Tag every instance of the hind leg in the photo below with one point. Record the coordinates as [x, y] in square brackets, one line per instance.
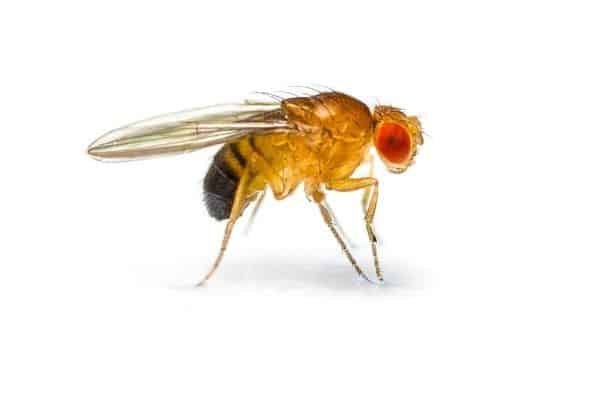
[257, 166]
[239, 203]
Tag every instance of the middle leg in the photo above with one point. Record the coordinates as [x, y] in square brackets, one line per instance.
[258, 202]
[329, 221]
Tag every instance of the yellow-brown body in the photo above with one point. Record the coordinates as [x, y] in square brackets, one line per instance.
[317, 141]
[332, 136]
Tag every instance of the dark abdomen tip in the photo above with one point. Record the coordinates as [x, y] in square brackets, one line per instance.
[220, 184]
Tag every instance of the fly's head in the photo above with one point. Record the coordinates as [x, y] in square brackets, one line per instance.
[396, 137]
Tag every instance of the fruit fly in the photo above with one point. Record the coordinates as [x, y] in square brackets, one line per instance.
[317, 141]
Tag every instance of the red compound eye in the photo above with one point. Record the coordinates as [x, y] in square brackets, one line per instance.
[393, 142]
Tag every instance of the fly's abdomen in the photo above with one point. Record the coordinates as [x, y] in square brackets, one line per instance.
[221, 181]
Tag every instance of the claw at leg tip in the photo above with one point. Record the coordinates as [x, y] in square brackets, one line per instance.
[202, 283]
[366, 278]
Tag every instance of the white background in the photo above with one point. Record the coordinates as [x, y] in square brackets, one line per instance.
[489, 243]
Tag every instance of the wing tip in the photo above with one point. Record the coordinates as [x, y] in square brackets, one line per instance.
[97, 152]
[92, 150]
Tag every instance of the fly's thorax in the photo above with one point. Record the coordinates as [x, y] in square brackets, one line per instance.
[335, 131]
[335, 113]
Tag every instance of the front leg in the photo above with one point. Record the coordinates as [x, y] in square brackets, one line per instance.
[352, 184]
[367, 191]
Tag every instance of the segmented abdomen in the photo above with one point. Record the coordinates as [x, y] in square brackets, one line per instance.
[221, 181]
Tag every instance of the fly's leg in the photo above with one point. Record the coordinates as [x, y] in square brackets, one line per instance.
[351, 184]
[367, 191]
[366, 196]
[257, 165]
[261, 167]
[239, 202]
[336, 222]
[319, 197]
[257, 205]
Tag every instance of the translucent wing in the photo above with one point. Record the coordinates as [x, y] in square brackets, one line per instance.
[188, 130]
